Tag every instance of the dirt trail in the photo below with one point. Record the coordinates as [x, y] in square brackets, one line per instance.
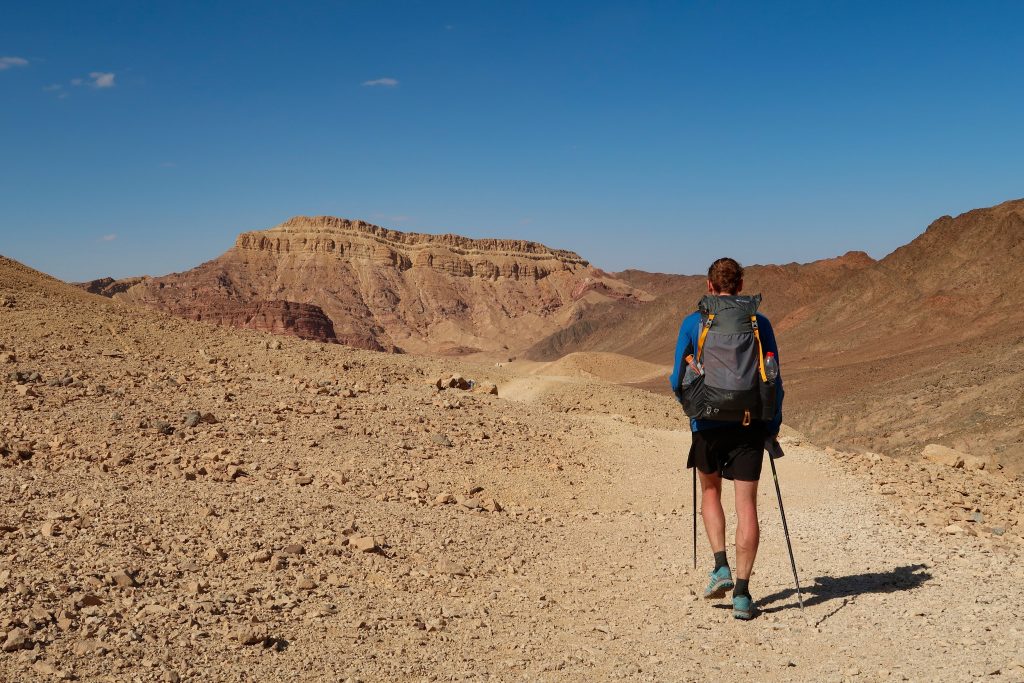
[884, 600]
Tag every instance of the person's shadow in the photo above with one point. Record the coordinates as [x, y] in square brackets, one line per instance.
[827, 588]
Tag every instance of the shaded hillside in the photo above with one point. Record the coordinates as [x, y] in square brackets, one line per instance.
[648, 330]
[924, 346]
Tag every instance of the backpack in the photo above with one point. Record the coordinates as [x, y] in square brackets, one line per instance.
[726, 380]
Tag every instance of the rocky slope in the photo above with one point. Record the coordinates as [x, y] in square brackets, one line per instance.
[924, 346]
[183, 502]
[920, 347]
[648, 329]
[385, 289]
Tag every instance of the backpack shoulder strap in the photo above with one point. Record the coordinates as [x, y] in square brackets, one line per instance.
[704, 335]
[760, 350]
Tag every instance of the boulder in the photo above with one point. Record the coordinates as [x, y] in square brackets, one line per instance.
[943, 455]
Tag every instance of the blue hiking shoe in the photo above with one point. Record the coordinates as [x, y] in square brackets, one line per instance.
[742, 607]
[721, 582]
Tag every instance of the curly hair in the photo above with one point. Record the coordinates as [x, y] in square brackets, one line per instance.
[725, 275]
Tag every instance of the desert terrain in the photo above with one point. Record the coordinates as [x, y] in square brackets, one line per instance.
[188, 502]
[888, 356]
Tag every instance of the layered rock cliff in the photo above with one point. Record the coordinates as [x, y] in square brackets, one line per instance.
[387, 290]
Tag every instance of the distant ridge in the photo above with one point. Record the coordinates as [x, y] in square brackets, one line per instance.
[384, 289]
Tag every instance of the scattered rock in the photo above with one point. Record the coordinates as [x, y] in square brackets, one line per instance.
[450, 567]
[261, 556]
[366, 544]
[252, 634]
[88, 646]
[163, 427]
[16, 639]
[215, 555]
[486, 388]
[943, 455]
[123, 579]
[441, 440]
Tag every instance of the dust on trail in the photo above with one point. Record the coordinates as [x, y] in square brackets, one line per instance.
[884, 600]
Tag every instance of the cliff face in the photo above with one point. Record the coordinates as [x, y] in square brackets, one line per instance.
[279, 317]
[387, 290]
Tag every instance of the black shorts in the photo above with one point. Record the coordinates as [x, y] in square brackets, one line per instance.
[734, 452]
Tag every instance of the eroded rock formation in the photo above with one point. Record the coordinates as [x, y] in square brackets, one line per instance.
[387, 290]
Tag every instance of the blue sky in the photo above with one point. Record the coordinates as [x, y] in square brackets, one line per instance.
[142, 137]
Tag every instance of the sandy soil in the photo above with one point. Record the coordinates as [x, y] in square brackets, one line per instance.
[331, 514]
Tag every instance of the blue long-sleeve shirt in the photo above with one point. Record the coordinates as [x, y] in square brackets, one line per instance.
[689, 332]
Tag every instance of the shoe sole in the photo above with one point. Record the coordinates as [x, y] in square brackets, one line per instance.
[719, 590]
[743, 614]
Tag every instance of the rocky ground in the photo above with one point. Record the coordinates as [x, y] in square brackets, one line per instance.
[183, 502]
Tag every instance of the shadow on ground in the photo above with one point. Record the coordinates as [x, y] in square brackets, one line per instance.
[827, 588]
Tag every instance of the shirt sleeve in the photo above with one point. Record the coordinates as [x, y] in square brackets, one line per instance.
[684, 347]
[769, 343]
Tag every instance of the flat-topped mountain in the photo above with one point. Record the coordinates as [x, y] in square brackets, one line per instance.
[367, 286]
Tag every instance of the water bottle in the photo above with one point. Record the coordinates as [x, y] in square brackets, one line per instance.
[771, 367]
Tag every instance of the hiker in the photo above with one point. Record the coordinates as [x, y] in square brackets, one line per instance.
[720, 377]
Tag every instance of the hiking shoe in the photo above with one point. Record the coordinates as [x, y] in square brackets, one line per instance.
[742, 607]
[721, 581]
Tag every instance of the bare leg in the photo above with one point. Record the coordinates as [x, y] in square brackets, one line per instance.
[711, 509]
[748, 532]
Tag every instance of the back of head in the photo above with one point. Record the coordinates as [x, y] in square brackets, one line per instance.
[725, 276]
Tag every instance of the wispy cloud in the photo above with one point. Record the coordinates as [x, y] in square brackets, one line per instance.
[109, 238]
[97, 79]
[168, 164]
[382, 82]
[101, 79]
[11, 62]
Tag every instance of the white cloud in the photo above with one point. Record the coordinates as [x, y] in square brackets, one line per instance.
[109, 238]
[8, 62]
[383, 82]
[53, 87]
[101, 79]
[97, 79]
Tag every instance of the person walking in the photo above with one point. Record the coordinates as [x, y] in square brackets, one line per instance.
[735, 405]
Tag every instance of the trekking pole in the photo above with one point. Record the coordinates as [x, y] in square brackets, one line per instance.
[785, 529]
[694, 516]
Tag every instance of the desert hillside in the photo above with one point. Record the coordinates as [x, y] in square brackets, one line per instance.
[331, 279]
[919, 347]
[186, 502]
[648, 329]
[924, 346]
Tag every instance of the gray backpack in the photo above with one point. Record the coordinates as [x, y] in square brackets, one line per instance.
[726, 379]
